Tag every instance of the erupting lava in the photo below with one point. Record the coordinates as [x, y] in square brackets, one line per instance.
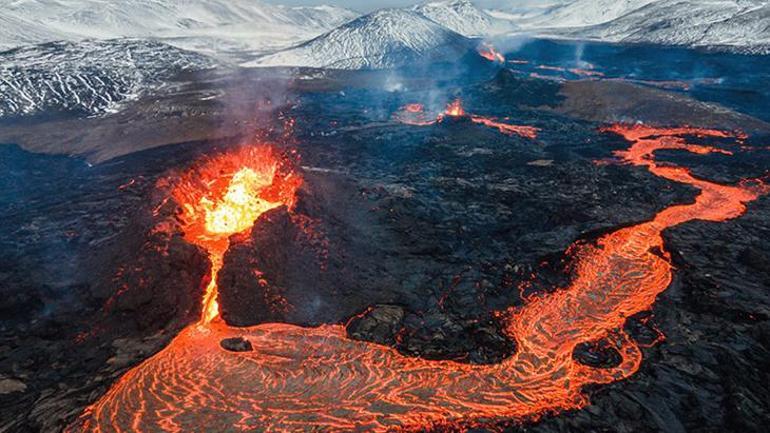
[224, 195]
[414, 114]
[316, 379]
[489, 52]
[454, 109]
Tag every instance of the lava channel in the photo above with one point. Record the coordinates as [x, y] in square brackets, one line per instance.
[317, 379]
[414, 114]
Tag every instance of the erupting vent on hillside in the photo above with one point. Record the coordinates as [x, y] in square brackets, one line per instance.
[414, 114]
[224, 195]
[489, 52]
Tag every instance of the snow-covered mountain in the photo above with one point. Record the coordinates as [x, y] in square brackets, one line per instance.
[207, 25]
[743, 25]
[386, 38]
[580, 13]
[87, 78]
[463, 17]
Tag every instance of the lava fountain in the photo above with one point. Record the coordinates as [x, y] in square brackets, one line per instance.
[489, 52]
[224, 195]
[317, 379]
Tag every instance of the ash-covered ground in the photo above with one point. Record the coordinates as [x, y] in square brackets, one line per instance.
[413, 236]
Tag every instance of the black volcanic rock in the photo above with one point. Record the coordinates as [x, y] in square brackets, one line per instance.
[164, 286]
[379, 324]
[321, 263]
[236, 344]
[436, 335]
[516, 90]
[599, 354]
[641, 329]
[251, 286]
[755, 258]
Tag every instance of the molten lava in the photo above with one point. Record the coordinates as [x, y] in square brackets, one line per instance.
[505, 128]
[456, 110]
[316, 379]
[489, 52]
[414, 108]
[224, 195]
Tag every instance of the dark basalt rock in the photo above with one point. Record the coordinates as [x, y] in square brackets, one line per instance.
[321, 263]
[165, 282]
[236, 344]
[599, 354]
[755, 258]
[379, 324]
[246, 296]
[438, 336]
[641, 329]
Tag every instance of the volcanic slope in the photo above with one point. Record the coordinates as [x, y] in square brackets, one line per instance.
[89, 77]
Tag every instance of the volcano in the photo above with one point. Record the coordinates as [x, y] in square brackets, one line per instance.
[574, 239]
[617, 277]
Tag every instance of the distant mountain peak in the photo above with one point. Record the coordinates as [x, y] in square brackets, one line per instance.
[463, 17]
[382, 39]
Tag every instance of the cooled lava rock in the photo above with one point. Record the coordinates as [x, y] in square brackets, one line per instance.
[236, 344]
[436, 335]
[379, 324]
[598, 354]
[641, 329]
[323, 262]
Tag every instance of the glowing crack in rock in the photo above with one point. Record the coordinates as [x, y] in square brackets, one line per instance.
[317, 379]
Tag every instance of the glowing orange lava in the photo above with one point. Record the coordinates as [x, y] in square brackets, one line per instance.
[224, 195]
[506, 128]
[455, 109]
[316, 379]
[489, 52]
[414, 108]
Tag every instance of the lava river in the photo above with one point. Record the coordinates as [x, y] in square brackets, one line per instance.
[317, 379]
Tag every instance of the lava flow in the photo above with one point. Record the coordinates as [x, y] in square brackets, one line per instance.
[414, 114]
[489, 52]
[224, 195]
[317, 379]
